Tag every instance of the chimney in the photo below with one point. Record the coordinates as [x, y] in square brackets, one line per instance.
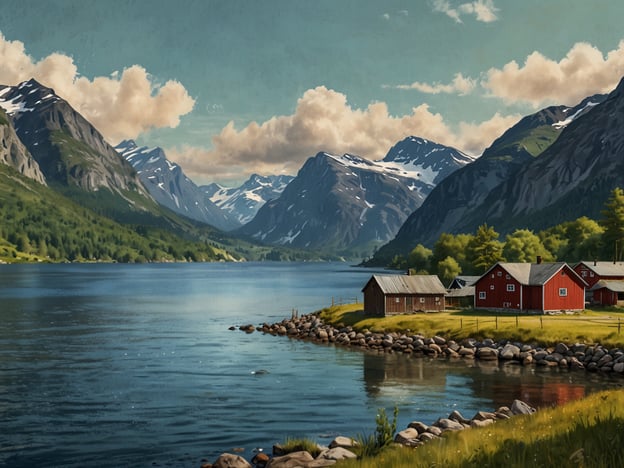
[539, 259]
[595, 261]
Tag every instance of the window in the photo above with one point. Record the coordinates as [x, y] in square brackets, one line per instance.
[481, 294]
[584, 273]
[437, 299]
[422, 300]
[491, 287]
[563, 292]
[492, 275]
[507, 277]
[511, 287]
[591, 274]
[499, 273]
[397, 300]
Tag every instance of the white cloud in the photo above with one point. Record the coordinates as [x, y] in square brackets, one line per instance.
[582, 72]
[483, 10]
[122, 105]
[324, 121]
[460, 85]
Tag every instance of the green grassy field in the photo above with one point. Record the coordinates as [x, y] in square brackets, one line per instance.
[591, 326]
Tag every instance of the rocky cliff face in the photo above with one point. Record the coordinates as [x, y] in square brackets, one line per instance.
[68, 149]
[342, 204]
[170, 187]
[456, 203]
[13, 153]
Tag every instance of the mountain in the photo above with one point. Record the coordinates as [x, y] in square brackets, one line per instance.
[457, 204]
[69, 150]
[349, 205]
[13, 153]
[170, 187]
[244, 202]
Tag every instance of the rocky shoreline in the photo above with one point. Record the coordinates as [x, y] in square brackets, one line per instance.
[578, 356]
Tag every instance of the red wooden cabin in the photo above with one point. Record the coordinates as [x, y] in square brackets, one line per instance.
[530, 287]
[605, 280]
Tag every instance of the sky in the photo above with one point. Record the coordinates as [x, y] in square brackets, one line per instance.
[229, 88]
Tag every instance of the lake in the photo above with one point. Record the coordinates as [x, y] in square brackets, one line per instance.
[134, 365]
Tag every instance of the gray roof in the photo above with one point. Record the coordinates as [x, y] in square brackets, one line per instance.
[532, 274]
[463, 281]
[611, 285]
[466, 291]
[412, 284]
[605, 268]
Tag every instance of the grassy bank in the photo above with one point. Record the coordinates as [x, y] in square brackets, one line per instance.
[584, 433]
[598, 326]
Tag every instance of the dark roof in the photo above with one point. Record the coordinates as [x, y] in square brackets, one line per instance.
[463, 281]
[412, 284]
[466, 291]
[534, 274]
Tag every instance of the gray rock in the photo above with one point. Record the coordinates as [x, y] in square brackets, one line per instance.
[520, 407]
[344, 442]
[419, 426]
[434, 430]
[481, 422]
[448, 425]
[483, 415]
[229, 460]
[487, 354]
[408, 437]
[457, 416]
[427, 436]
[561, 348]
[337, 453]
[618, 367]
[510, 351]
[291, 460]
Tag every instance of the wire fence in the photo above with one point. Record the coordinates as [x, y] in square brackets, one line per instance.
[529, 320]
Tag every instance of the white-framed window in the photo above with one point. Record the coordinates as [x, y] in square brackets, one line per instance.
[422, 300]
[563, 292]
[511, 287]
[499, 273]
[492, 275]
[491, 287]
[591, 274]
[481, 294]
[397, 299]
[507, 277]
[437, 298]
[584, 273]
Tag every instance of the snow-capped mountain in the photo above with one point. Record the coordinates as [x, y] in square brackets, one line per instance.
[244, 202]
[13, 152]
[170, 187]
[68, 149]
[349, 205]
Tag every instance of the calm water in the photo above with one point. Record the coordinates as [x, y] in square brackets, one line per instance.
[134, 365]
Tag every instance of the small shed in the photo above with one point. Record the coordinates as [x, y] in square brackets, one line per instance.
[402, 294]
[461, 291]
[608, 292]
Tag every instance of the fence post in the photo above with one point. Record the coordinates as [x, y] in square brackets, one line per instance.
[461, 323]
[541, 322]
[496, 322]
[477, 323]
[619, 325]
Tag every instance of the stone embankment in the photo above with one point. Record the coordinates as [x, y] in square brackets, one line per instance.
[592, 358]
[416, 434]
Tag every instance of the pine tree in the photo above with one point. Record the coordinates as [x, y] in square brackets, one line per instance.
[613, 224]
[484, 249]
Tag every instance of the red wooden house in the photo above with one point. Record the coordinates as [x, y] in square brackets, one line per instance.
[605, 281]
[403, 294]
[530, 287]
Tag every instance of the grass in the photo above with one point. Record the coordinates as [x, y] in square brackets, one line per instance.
[298, 445]
[591, 326]
[584, 433]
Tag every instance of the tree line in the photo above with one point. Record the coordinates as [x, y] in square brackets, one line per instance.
[473, 254]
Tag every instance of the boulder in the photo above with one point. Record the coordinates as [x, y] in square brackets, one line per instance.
[291, 460]
[407, 437]
[520, 407]
[260, 459]
[448, 425]
[483, 415]
[229, 460]
[561, 348]
[510, 351]
[427, 436]
[481, 422]
[458, 417]
[419, 426]
[341, 441]
[436, 431]
[337, 453]
[487, 354]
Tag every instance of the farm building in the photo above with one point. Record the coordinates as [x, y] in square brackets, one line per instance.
[403, 294]
[605, 281]
[530, 287]
[460, 292]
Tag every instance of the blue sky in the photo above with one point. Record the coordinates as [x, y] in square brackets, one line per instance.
[233, 87]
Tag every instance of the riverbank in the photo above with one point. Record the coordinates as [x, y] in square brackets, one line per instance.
[573, 356]
[578, 431]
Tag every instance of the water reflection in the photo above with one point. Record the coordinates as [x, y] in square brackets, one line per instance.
[404, 378]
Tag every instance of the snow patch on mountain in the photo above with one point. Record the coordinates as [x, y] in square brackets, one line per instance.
[564, 123]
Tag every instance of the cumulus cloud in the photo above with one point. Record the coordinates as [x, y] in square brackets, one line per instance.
[324, 121]
[122, 105]
[482, 10]
[460, 84]
[582, 72]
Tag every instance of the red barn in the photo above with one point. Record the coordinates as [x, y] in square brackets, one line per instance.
[530, 287]
[403, 294]
[605, 280]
